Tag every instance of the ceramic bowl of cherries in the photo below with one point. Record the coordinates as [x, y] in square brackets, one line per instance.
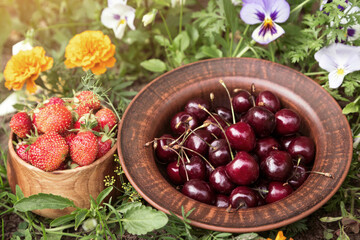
[245, 156]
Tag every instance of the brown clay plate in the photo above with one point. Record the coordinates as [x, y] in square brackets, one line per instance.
[149, 114]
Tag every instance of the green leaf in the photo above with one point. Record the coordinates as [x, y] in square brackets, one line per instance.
[62, 220]
[211, 51]
[182, 41]
[19, 193]
[104, 193]
[154, 65]
[350, 108]
[246, 236]
[328, 234]
[43, 201]
[127, 206]
[330, 219]
[231, 15]
[140, 220]
[80, 217]
[162, 41]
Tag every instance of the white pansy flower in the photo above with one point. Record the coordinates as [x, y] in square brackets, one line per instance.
[338, 59]
[117, 16]
[21, 46]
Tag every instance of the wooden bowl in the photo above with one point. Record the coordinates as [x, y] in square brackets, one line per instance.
[75, 184]
[148, 116]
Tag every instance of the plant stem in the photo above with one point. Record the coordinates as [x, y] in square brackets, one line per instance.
[60, 25]
[240, 41]
[315, 73]
[181, 16]
[166, 27]
[299, 6]
[245, 49]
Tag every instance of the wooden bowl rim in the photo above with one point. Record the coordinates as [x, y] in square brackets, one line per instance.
[66, 171]
[196, 223]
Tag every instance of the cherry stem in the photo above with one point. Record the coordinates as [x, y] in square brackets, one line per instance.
[231, 106]
[209, 145]
[198, 155]
[212, 97]
[322, 173]
[229, 209]
[221, 128]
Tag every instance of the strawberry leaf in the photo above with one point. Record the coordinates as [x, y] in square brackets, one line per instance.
[142, 219]
[42, 201]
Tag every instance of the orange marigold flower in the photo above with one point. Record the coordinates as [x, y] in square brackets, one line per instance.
[90, 50]
[25, 67]
[280, 236]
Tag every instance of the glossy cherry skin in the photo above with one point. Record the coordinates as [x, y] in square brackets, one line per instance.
[220, 181]
[277, 166]
[277, 191]
[298, 176]
[199, 190]
[304, 148]
[192, 107]
[287, 122]
[198, 142]
[222, 201]
[219, 153]
[173, 173]
[242, 102]
[286, 140]
[214, 123]
[261, 120]
[241, 136]
[265, 145]
[243, 170]
[243, 197]
[268, 100]
[163, 151]
[182, 121]
[224, 113]
[195, 169]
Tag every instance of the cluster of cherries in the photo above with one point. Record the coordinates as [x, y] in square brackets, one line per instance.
[244, 156]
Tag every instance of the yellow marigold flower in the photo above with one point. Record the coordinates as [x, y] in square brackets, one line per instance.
[25, 67]
[90, 50]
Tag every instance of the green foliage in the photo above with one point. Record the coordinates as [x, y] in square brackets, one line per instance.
[178, 36]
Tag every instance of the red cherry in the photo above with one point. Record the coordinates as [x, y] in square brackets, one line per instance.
[241, 136]
[278, 191]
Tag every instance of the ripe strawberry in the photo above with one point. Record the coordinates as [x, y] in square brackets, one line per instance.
[54, 118]
[89, 99]
[22, 150]
[21, 124]
[104, 146]
[48, 151]
[84, 148]
[106, 117]
[54, 100]
[69, 137]
[81, 110]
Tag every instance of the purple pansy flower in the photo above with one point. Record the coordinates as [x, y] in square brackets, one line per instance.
[268, 13]
[352, 32]
[338, 59]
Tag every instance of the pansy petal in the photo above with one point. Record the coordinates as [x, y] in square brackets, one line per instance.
[109, 17]
[353, 32]
[326, 61]
[264, 36]
[335, 79]
[279, 10]
[112, 3]
[119, 31]
[252, 13]
[352, 64]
